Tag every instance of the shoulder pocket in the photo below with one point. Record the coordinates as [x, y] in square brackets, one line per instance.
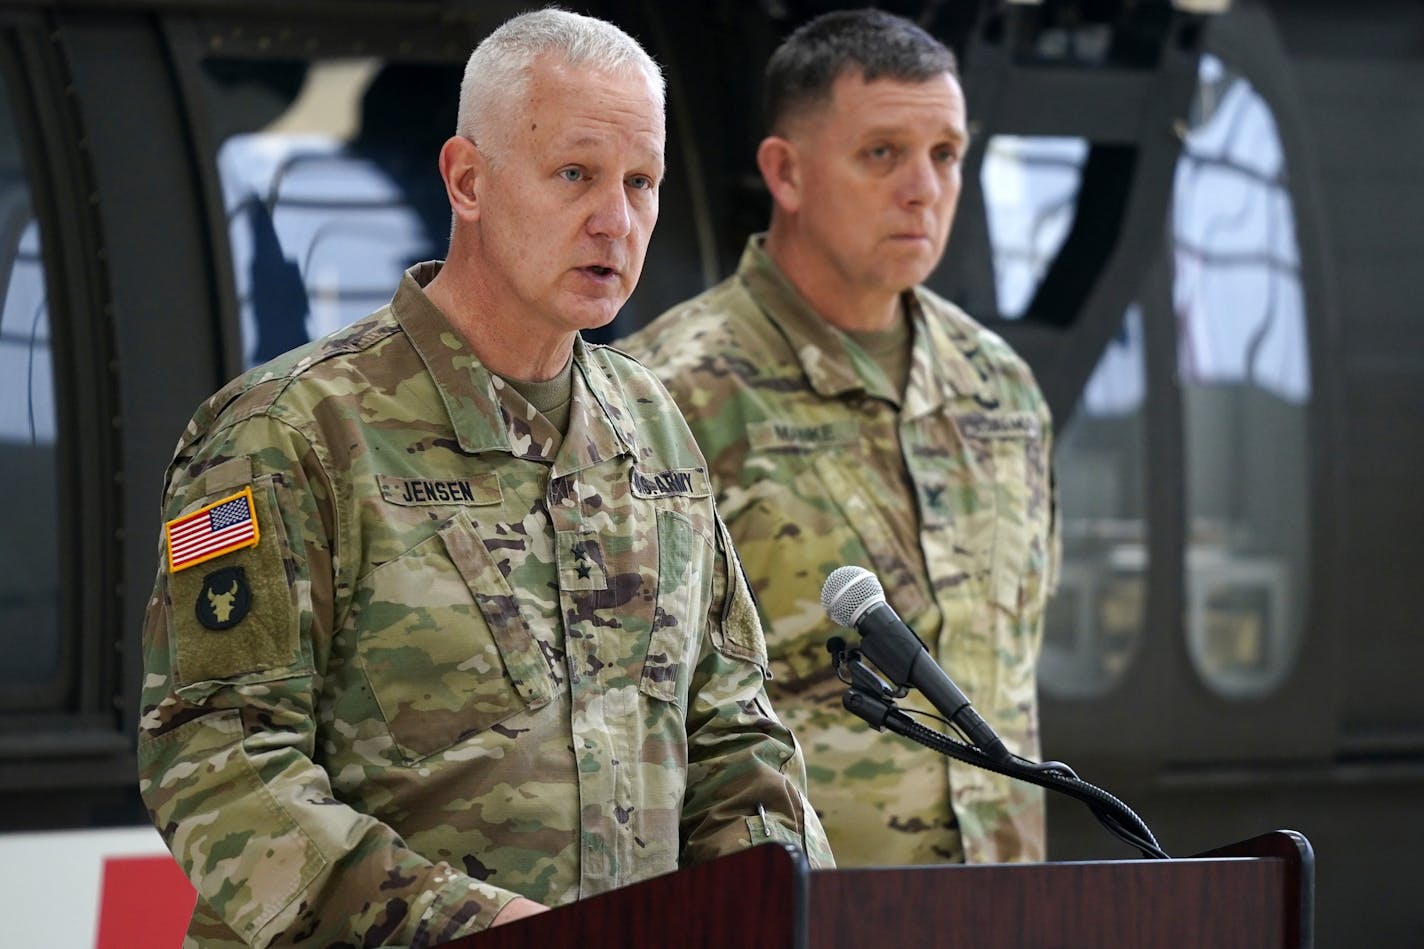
[742, 635]
[233, 615]
[245, 854]
[765, 830]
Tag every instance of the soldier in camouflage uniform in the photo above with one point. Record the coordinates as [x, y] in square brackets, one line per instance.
[852, 417]
[430, 644]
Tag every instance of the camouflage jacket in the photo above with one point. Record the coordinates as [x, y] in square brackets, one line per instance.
[945, 494]
[456, 657]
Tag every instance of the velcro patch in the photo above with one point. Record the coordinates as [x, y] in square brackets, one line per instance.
[224, 599]
[482, 489]
[253, 606]
[999, 425]
[219, 528]
[764, 436]
[671, 482]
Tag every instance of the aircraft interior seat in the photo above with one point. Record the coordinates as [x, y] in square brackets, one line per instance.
[320, 236]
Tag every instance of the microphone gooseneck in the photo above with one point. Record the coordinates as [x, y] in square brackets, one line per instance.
[853, 597]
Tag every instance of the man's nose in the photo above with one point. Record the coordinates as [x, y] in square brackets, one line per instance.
[611, 214]
[921, 182]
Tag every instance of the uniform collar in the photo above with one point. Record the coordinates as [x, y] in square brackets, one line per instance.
[600, 420]
[940, 368]
[820, 348]
[493, 417]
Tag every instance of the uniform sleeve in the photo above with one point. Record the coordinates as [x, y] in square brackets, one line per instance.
[1054, 570]
[746, 781]
[235, 646]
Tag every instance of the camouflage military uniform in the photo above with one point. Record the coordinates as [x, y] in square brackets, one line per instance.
[468, 656]
[945, 494]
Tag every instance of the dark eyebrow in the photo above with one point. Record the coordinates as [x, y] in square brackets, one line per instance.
[889, 131]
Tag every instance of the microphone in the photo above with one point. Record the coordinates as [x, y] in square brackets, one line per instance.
[853, 597]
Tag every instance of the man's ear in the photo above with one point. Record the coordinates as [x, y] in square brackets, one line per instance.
[461, 165]
[781, 170]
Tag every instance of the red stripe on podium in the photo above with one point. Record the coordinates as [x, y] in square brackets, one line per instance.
[143, 901]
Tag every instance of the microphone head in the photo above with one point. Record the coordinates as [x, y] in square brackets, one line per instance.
[848, 593]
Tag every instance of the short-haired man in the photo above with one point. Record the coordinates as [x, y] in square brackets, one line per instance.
[850, 416]
[447, 628]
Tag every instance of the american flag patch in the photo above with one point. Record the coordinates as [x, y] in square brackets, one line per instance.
[221, 527]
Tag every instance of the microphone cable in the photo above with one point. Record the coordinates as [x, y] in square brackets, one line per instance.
[1119, 819]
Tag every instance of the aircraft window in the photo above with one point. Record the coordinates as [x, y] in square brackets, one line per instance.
[29, 548]
[1243, 373]
[1030, 189]
[1243, 367]
[1095, 620]
[330, 187]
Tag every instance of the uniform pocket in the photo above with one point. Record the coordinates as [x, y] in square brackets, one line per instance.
[822, 509]
[1002, 506]
[235, 616]
[683, 578]
[1012, 536]
[763, 830]
[245, 854]
[443, 645]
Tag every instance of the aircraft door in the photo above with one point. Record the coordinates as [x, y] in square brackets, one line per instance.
[1147, 251]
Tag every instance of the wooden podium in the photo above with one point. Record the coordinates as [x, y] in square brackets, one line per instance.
[1255, 894]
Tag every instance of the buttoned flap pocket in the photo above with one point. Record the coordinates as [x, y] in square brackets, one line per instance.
[863, 499]
[443, 644]
[684, 578]
[809, 512]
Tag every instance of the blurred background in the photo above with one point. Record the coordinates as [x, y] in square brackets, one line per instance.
[1197, 219]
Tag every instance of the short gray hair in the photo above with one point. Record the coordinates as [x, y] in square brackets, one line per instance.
[497, 72]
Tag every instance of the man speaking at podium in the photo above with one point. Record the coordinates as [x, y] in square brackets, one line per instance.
[852, 417]
[447, 629]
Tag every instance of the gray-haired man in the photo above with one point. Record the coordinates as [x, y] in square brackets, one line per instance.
[447, 628]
